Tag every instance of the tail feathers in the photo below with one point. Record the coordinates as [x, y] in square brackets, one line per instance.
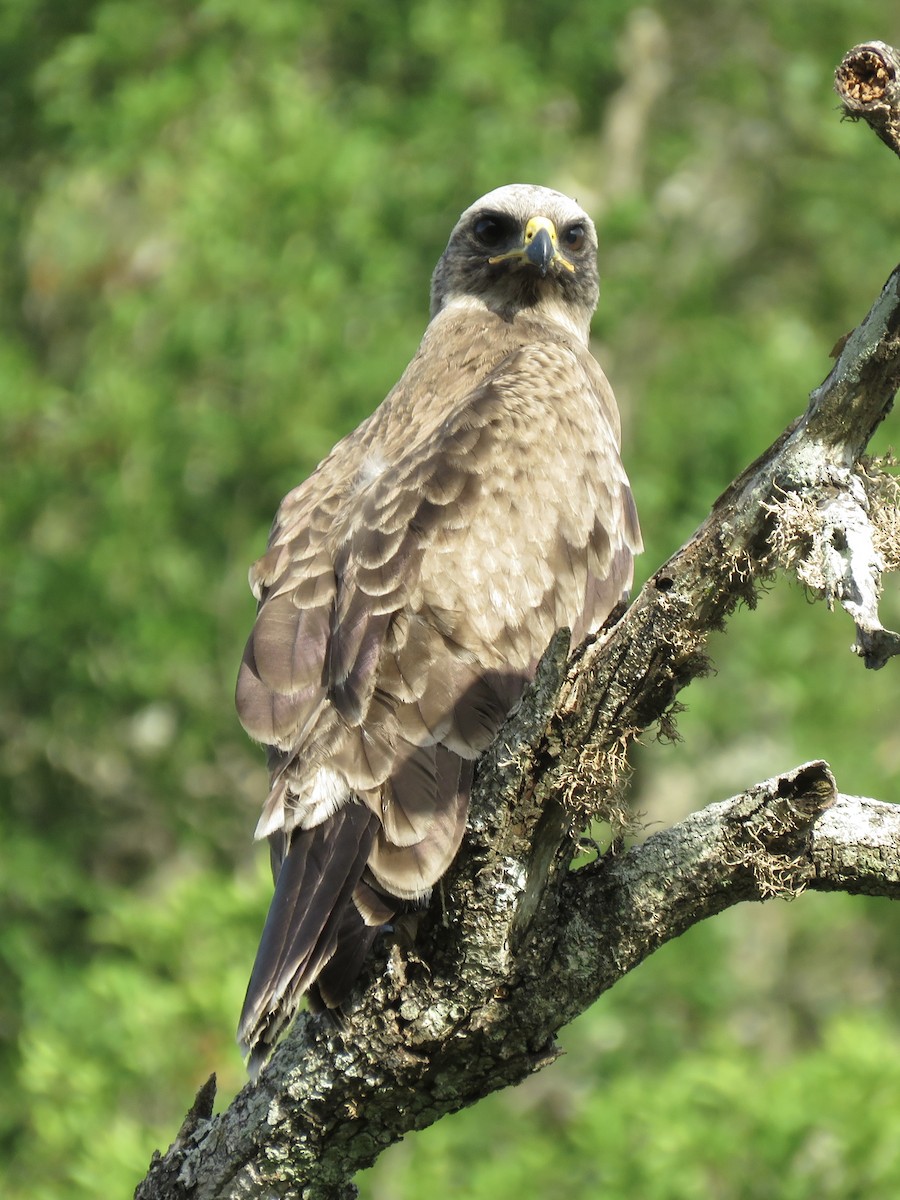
[371, 912]
[337, 977]
[311, 913]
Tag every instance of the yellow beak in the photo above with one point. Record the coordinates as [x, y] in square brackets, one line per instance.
[540, 247]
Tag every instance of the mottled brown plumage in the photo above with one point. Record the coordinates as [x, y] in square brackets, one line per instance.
[412, 583]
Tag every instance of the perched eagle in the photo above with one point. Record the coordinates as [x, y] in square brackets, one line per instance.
[412, 583]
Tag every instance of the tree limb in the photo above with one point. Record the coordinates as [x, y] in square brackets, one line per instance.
[307, 1128]
[868, 83]
[517, 943]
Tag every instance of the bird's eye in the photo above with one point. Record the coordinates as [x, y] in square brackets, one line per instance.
[490, 231]
[573, 237]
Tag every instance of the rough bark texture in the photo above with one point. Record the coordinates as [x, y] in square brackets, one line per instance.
[516, 944]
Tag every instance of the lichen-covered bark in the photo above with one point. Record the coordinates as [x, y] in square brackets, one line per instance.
[515, 944]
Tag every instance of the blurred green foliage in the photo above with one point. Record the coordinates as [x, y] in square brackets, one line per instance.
[217, 226]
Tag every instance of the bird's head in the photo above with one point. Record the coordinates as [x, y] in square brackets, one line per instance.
[521, 247]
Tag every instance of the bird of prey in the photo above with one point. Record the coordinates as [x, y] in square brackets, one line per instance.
[412, 583]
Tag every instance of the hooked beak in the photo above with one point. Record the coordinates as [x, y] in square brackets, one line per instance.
[540, 247]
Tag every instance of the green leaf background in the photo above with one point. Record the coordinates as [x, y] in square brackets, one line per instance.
[217, 227]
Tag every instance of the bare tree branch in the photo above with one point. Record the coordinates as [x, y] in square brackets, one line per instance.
[517, 943]
[312, 1126]
[868, 83]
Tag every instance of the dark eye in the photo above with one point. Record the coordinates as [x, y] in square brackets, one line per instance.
[574, 237]
[490, 231]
